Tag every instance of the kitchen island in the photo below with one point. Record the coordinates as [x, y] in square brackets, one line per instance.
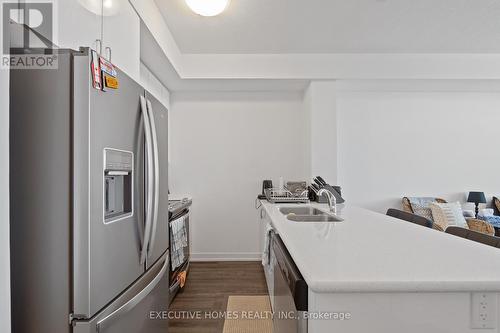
[385, 273]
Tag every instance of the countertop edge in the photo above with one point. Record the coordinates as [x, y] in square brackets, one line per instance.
[381, 286]
[405, 287]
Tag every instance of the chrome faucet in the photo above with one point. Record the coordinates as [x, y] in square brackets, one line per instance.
[332, 201]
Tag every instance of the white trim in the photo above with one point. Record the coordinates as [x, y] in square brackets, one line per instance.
[462, 86]
[226, 256]
[339, 66]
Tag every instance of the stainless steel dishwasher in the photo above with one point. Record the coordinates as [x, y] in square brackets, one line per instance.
[290, 292]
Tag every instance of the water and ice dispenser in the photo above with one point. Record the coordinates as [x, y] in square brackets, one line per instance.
[118, 184]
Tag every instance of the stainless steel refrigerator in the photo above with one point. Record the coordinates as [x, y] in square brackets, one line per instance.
[89, 202]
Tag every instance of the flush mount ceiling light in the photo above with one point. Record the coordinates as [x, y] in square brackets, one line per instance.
[207, 7]
[101, 7]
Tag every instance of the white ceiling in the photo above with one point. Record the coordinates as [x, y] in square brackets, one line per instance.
[155, 60]
[338, 26]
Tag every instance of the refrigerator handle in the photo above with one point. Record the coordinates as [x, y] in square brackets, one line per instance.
[149, 170]
[104, 323]
[156, 175]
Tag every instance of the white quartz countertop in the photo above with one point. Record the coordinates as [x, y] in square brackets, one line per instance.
[371, 252]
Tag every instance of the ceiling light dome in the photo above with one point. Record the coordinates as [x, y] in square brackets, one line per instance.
[207, 7]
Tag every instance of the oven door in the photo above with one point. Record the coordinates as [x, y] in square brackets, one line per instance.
[180, 251]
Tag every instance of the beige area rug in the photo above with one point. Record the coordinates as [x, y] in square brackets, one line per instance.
[248, 314]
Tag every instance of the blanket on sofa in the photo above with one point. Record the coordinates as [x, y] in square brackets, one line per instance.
[493, 220]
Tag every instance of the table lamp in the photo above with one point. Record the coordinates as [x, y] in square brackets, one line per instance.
[476, 198]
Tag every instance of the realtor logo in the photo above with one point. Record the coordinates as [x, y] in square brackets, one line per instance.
[28, 25]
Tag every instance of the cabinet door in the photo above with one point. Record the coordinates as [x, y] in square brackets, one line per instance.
[264, 221]
[79, 23]
[121, 32]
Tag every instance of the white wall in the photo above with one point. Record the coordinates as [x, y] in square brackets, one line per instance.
[4, 204]
[154, 86]
[320, 106]
[223, 146]
[417, 143]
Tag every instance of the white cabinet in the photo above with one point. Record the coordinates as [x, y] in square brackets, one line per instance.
[80, 24]
[121, 33]
[264, 223]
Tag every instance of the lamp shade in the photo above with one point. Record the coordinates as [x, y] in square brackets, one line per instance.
[476, 197]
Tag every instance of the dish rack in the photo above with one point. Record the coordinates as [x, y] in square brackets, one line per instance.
[276, 195]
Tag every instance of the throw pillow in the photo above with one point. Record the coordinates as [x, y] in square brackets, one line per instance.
[448, 214]
[496, 205]
[422, 210]
[486, 212]
[469, 213]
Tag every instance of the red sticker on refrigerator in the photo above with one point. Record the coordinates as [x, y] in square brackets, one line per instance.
[96, 71]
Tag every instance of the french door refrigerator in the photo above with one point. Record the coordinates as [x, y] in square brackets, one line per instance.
[89, 202]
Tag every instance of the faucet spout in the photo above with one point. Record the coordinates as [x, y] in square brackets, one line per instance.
[332, 200]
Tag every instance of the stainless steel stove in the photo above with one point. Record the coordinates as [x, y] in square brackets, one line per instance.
[176, 207]
[178, 211]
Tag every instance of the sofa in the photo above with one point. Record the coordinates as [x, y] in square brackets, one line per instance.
[496, 209]
[473, 223]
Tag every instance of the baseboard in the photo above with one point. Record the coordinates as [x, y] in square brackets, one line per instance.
[224, 256]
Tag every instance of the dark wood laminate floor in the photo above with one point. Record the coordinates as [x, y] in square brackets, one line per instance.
[207, 289]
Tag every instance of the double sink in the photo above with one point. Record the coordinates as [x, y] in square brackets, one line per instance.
[308, 214]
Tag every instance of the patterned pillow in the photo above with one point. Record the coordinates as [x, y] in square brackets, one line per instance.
[448, 214]
[422, 210]
[496, 203]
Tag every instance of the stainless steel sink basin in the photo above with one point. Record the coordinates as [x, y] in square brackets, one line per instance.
[301, 211]
[314, 218]
[308, 214]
